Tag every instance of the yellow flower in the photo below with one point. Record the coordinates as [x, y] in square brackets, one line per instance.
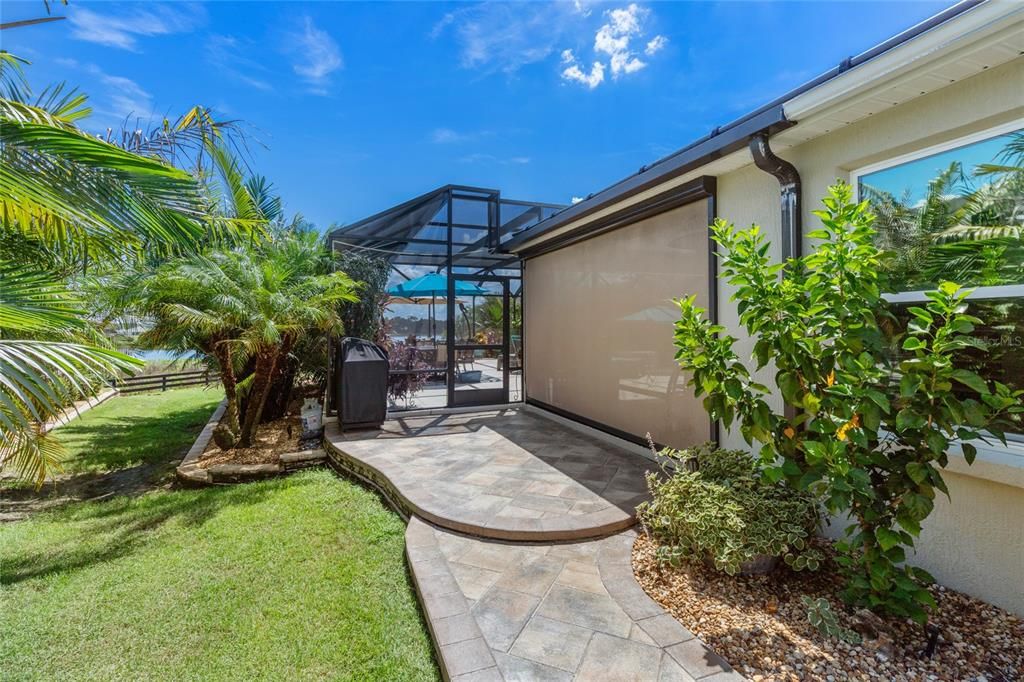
[853, 423]
[831, 379]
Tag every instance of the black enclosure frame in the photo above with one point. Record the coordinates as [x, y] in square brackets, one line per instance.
[486, 396]
[462, 232]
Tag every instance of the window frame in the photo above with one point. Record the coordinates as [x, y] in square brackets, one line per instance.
[1014, 450]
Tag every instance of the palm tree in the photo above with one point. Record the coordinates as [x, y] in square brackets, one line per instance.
[249, 304]
[67, 201]
[66, 190]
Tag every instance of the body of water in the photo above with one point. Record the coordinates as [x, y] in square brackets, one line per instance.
[160, 355]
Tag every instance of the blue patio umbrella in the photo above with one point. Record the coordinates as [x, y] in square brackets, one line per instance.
[431, 286]
[434, 284]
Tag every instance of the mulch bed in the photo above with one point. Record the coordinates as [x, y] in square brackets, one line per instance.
[759, 624]
[273, 439]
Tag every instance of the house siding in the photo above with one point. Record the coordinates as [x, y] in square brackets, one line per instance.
[599, 320]
[973, 542]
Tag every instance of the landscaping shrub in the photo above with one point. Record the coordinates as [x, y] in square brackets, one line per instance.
[866, 429]
[402, 356]
[717, 506]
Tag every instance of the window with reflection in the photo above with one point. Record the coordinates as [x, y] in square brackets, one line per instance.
[956, 214]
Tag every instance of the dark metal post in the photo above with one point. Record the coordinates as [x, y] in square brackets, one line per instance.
[712, 202]
[450, 307]
[789, 188]
[506, 341]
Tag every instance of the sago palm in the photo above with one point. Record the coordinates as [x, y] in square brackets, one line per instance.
[248, 304]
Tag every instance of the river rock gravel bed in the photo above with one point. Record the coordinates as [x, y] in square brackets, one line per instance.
[759, 624]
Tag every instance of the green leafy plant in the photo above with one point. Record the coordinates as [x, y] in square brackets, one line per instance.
[825, 621]
[246, 306]
[717, 506]
[866, 430]
[365, 318]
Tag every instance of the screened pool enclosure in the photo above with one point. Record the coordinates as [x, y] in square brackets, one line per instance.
[454, 317]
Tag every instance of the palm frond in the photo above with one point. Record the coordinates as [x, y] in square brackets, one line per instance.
[30, 302]
[262, 193]
[959, 233]
[63, 187]
[38, 379]
[32, 453]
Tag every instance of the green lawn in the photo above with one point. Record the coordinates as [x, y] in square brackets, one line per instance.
[295, 578]
[141, 428]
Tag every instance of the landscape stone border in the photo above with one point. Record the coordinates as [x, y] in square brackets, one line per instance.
[79, 408]
[190, 472]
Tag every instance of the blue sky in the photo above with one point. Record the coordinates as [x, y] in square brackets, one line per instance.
[353, 107]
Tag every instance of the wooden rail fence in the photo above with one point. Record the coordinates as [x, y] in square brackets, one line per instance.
[162, 382]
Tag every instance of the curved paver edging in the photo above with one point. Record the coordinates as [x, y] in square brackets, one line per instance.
[416, 498]
[190, 472]
[413, 504]
[500, 611]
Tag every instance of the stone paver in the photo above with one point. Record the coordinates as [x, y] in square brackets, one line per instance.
[519, 544]
[506, 474]
[554, 611]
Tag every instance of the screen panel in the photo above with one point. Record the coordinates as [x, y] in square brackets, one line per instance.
[599, 323]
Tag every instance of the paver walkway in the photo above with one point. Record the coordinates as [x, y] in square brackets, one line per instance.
[489, 496]
[507, 474]
[523, 611]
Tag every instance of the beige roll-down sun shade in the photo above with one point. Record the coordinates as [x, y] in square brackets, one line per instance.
[599, 321]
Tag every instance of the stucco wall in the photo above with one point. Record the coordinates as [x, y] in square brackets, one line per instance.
[975, 543]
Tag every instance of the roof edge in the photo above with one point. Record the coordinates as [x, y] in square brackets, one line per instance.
[770, 118]
[708, 148]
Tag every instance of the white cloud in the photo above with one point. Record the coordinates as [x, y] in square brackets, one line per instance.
[655, 45]
[227, 54]
[573, 72]
[613, 38]
[626, 22]
[443, 23]
[446, 135]
[123, 29]
[504, 37]
[120, 102]
[492, 159]
[316, 55]
[581, 7]
[577, 200]
[449, 136]
[614, 41]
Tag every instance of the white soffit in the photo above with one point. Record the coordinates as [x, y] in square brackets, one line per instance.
[984, 37]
